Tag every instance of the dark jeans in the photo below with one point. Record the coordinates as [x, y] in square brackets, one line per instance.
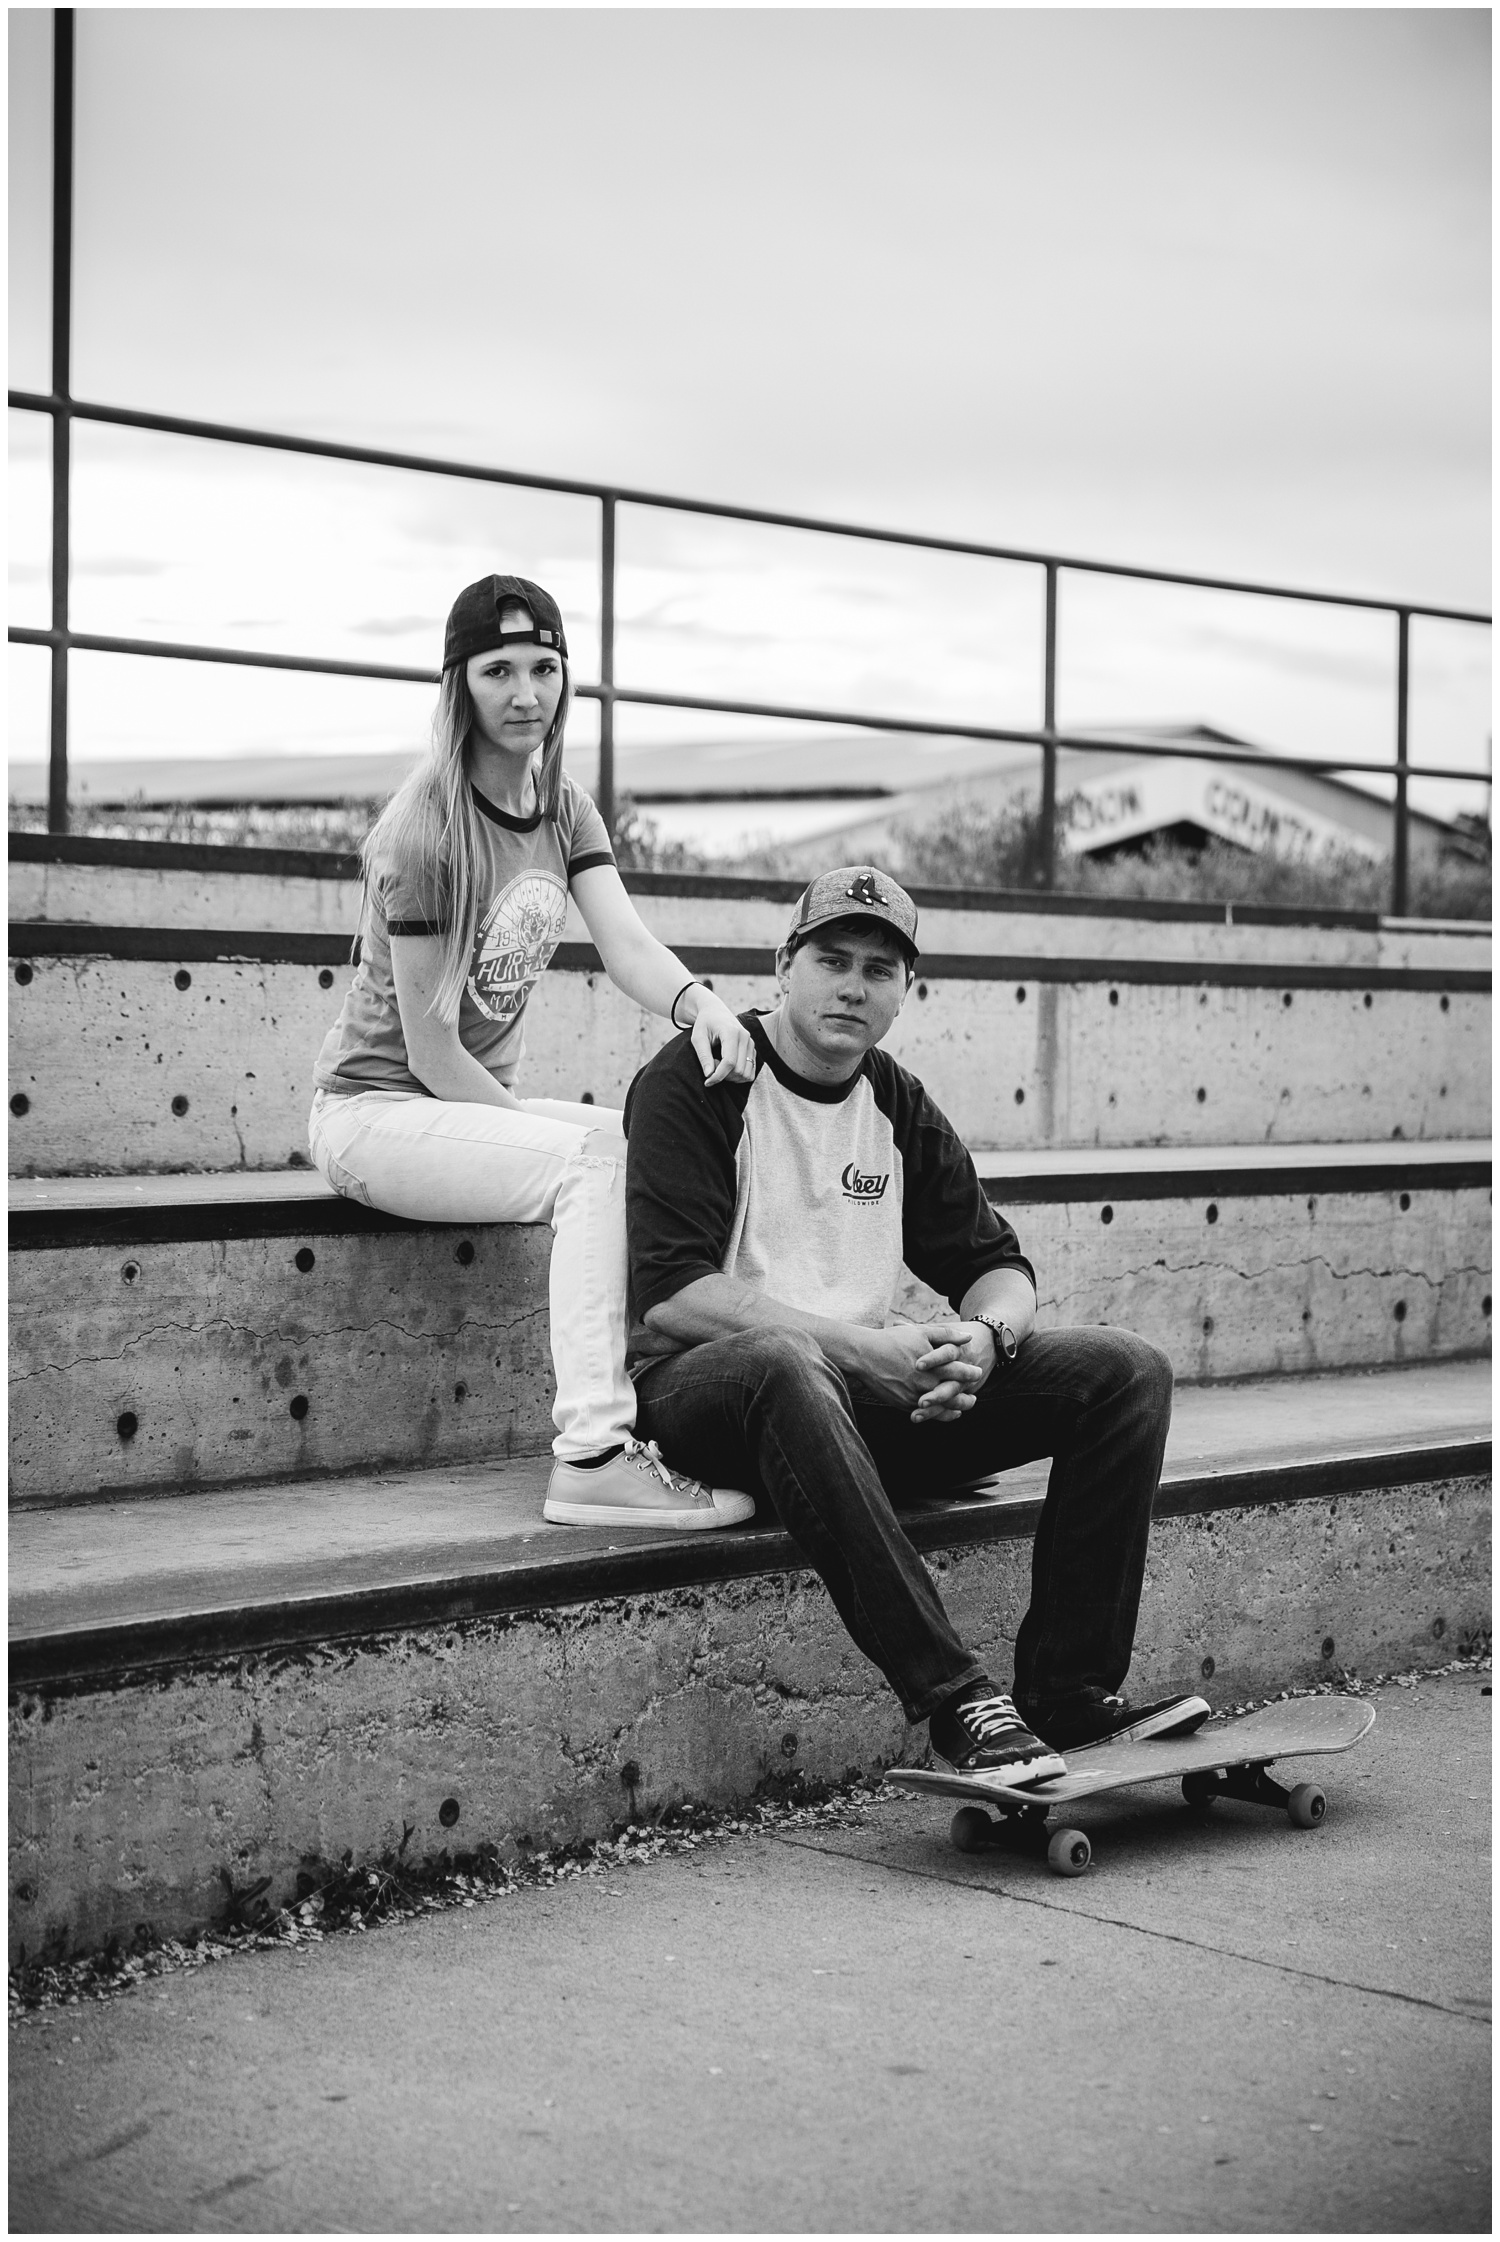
[767, 1412]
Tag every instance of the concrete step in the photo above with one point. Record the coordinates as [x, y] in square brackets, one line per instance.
[227, 1683]
[175, 1332]
[135, 1050]
[181, 884]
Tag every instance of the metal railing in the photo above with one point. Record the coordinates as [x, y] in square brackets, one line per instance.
[63, 409]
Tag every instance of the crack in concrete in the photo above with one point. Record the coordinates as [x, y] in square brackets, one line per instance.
[1285, 1268]
[470, 1328]
[1010, 1894]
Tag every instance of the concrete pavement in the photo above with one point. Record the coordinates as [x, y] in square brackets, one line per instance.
[1226, 2025]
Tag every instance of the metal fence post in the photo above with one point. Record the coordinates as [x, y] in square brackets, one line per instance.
[1046, 875]
[605, 792]
[1401, 837]
[62, 390]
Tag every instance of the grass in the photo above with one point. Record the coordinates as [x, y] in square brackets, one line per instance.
[969, 845]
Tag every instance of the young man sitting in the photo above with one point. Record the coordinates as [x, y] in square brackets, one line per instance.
[768, 1223]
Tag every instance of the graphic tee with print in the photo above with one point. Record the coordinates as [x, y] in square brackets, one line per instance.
[524, 870]
[814, 1194]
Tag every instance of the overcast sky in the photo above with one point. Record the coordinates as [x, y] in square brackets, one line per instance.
[1203, 289]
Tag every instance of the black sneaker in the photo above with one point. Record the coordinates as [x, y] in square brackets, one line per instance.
[1095, 1716]
[981, 1734]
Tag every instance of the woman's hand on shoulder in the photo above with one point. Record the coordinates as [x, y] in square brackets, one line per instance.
[725, 1047]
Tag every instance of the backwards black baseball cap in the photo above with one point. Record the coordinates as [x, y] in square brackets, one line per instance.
[474, 619]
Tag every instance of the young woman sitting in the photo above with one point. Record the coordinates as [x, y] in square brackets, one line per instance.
[467, 875]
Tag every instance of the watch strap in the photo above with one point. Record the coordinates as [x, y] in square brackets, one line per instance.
[1003, 1333]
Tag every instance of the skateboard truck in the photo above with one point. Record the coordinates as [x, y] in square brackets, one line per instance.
[1303, 1806]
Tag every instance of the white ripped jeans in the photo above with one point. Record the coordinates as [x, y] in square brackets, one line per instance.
[437, 1161]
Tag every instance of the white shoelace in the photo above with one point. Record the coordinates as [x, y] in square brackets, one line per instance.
[646, 1456]
[987, 1717]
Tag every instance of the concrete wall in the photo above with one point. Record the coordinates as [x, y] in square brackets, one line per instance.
[128, 895]
[236, 1364]
[143, 895]
[127, 1801]
[1272, 1284]
[101, 1047]
[405, 1354]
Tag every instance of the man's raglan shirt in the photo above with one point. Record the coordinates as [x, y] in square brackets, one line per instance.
[813, 1193]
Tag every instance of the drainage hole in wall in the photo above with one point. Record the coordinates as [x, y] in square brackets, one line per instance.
[20, 1103]
[179, 1105]
[306, 1259]
[182, 979]
[299, 1406]
[1400, 1311]
[1405, 1201]
[1020, 1097]
[1287, 997]
[1106, 1214]
[1212, 1214]
[1369, 1000]
[1207, 1669]
[130, 1272]
[464, 1254]
[1443, 1004]
[1328, 1646]
[1439, 1629]
[127, 1424]
[630, 1775]
[460, 1391]
[23, 975]
[1114, 996]
[448, 1812]
[1208, 1325]
[325, 978]
[587, 1098]
[1020, 996]
[1201, 1096]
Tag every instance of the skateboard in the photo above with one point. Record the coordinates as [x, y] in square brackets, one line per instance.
[1223, 1760]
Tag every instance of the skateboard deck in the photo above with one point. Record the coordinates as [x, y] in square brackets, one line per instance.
[1224, 1759]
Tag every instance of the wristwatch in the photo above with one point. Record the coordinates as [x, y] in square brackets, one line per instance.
[1007, 1345]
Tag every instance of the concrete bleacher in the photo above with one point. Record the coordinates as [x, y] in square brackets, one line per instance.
[242, 1327]
[279, 1578]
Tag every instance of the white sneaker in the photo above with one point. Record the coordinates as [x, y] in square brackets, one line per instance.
[636, 1488]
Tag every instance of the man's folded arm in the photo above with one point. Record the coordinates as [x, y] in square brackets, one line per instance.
[720, 1307]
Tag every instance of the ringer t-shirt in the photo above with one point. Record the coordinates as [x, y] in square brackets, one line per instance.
[813, 1193]
[525, 866]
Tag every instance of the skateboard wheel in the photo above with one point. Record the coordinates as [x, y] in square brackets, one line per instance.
[1199, 1789]
[971, 1829]
[1069, 1852]
[1306, 1806]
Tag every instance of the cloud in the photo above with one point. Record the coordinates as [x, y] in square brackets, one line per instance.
[119, 564]
[396, 626]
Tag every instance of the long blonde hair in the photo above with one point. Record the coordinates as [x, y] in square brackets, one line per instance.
[430, 829]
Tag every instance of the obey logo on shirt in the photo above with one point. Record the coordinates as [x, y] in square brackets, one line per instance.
[863, 1187]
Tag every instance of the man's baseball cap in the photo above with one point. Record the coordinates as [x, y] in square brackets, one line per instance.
[474, 619]
[856, 891]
